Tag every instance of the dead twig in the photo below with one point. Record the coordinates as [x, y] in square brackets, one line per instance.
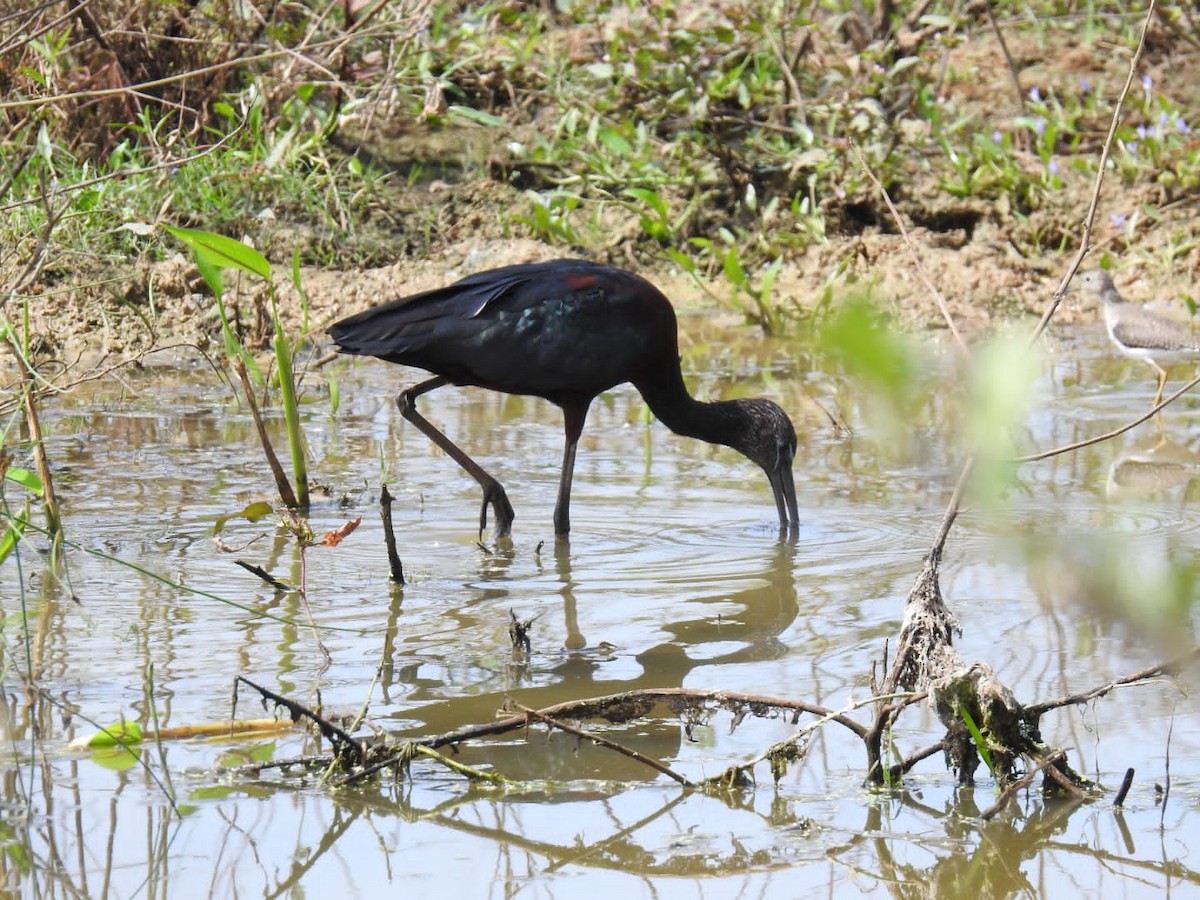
[942, 306]
[264, 575]
[925, 652]
[1109, 435]
[282, 484]
[1020, 784]
[347, 749]
[1008, 60]
[1085, 244]
[1171, 667]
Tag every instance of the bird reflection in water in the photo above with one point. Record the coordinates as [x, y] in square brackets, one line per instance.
[749, 629]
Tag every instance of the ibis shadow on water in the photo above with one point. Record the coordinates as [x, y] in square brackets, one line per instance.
[564, 330]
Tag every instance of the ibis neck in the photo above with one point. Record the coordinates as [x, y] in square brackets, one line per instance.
[669, 400]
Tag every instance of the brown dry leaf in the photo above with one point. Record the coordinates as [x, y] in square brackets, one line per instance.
[333, 538]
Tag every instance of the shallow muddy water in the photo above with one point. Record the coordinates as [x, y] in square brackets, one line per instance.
[674, 577]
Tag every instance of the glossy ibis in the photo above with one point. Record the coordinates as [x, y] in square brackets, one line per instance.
[565, 330]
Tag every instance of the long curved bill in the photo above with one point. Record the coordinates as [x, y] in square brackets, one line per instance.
[785, 497]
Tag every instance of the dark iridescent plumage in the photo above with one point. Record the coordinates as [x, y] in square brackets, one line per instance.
[564, 330]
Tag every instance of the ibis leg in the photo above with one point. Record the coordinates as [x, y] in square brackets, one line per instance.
[562, 508]
[574, 415]
[493, 491]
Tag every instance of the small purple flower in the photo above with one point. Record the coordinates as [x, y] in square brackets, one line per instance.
[1052, 167]
[1141, 132]
[1035, 95]
[1147, 82]
[997, 137]
[1131, 147]
[1085, 86]
[1039, 125]
[1118, 220]
[1182, 126]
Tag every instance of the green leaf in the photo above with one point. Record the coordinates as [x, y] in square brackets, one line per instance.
[615, 142]
[478, 116]
[682, 260]
[900, 65]
[768, 280]
[872, 352]
[335, 396]
[255, 512]
[733, 268]
[1001, 381]
[44, 148]
[243, 756]
[25, 479]
[213, 278]
[12, 535]
[977, 736]
[120, 734]
[653, 199]
[213, 792]
[222, 252]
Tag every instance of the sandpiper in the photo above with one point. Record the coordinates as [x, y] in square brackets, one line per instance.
[1140, 333]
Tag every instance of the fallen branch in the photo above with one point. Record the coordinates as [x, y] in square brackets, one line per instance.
[1171, 667]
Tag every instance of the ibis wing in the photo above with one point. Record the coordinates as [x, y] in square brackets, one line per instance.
[549, 329]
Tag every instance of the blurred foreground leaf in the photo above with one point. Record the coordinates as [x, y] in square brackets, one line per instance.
[1000, 384]
[873, 352]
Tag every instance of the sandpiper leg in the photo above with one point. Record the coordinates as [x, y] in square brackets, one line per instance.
[1162, 381]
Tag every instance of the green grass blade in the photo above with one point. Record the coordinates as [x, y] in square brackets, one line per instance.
[222, 252]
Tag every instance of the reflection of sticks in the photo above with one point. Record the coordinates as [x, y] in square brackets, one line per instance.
[605, 742]
[624, 707]
[1022, 783]
[692, 705]
[789, 749]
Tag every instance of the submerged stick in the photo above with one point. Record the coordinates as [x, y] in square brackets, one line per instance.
[281, 480]
[264, 575]
[389, 536]
[1126, 784]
